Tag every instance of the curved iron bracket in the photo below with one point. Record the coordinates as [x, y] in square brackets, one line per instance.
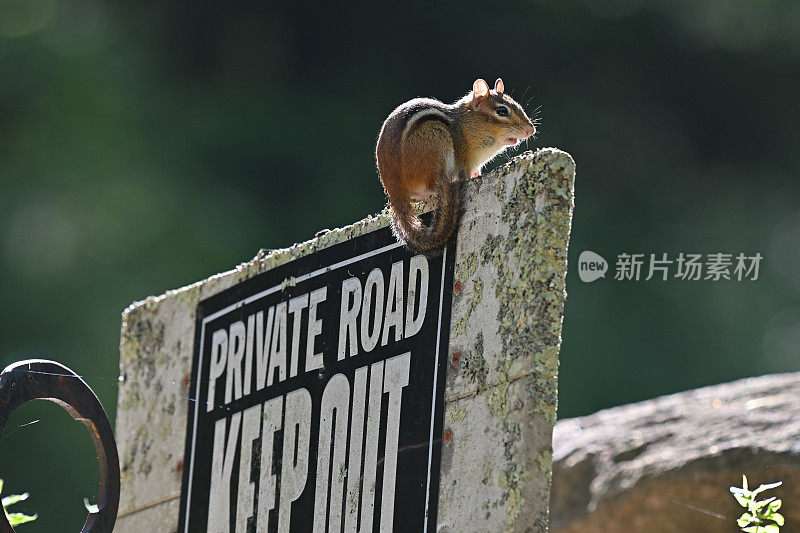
[40, 379]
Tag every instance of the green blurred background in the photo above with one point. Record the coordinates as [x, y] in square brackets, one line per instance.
[146, 145]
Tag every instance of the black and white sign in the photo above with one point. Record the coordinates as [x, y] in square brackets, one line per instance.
[318, 395]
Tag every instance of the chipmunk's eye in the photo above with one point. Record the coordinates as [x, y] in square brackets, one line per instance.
[501, 110]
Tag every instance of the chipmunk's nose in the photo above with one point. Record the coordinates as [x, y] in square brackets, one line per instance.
[530, 131]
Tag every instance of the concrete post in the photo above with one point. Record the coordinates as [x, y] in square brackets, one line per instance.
[499, 297]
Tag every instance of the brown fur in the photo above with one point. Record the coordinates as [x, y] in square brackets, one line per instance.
[426, 147]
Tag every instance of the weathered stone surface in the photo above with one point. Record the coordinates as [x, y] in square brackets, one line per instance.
[501, 392]
[665, 465]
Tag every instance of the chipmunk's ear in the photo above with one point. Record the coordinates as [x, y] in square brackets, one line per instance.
[479, 89]
[498, 86]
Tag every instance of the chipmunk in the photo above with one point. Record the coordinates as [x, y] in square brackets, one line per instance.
[426, 146]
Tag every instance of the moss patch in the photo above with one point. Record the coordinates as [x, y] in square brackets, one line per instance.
[457, 412]
[474, 366]
[531, 293]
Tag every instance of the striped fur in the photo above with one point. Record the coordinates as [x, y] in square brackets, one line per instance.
[409, 228]
[426, 147]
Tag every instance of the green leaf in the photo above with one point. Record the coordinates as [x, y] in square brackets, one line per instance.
[774, 506]
[744, 482]
[762, 503]
[746, 519]
[90, 507]
[743, 501]
[16, 519]
[777, 517]
[772, 528]
[752, 529]
[14, 498]
[762, 488]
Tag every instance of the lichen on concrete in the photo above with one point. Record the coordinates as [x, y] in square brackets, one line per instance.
[496, 397]
[475, 293]
[511, 480]
[474, 366]
[460, 325]
[291, 281]
[512, 268]
[545, 460]
[475, 298]
[466, 266]
[457, 412]
[539, 214]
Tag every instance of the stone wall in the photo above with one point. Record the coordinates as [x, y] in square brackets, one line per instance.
[665, 465]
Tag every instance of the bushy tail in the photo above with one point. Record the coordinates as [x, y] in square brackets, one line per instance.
[430, 240]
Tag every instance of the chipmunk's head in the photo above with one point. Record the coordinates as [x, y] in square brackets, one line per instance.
[502, 116]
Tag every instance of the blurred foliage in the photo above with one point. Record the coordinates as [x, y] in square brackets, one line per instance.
[15, 519]
[146, 145]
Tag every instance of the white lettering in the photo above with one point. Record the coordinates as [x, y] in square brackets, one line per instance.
[263, 341]
[296, 306]
[371, 449]
[394, 305]
[277, 352]
[374, 284]
[354, 462]
[221, 466]
[416, 317]
[236, 346]
[397, 369]
[351, 288]
[248, 353]
[266, 486]
[314, 360]
[294, 468]
[335, 403]
[251, 427]
[219, 356]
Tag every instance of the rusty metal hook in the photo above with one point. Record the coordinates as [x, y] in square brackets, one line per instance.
[48, 380]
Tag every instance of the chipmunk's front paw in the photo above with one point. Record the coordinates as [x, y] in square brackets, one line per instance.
[475, 174]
